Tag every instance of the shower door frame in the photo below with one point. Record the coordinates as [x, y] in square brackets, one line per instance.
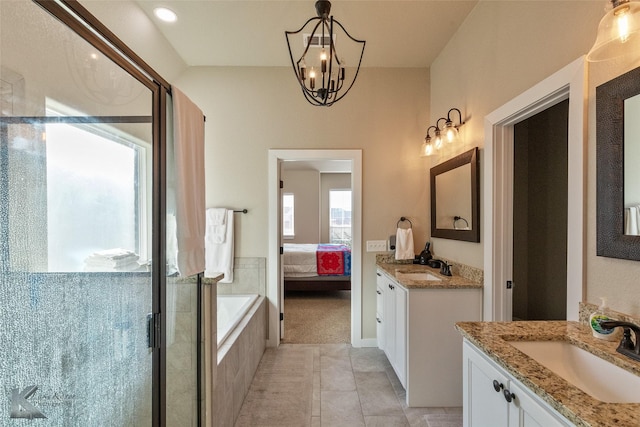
[78, 19]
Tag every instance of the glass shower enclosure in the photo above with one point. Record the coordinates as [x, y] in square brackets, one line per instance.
[81, 212]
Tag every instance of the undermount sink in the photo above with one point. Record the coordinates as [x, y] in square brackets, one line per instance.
[417, 276]
[598, 378]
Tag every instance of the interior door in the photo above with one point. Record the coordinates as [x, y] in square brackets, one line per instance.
[76, 287]
[280, 245]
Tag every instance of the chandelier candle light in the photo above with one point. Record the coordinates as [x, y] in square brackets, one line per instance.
[327, 81]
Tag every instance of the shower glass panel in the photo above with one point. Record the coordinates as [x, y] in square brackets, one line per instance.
[75, 229]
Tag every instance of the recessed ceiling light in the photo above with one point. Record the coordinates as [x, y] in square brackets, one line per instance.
[164, 14]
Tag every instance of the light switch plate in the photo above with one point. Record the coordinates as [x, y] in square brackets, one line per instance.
[376, 245]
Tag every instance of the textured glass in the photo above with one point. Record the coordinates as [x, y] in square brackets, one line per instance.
[73, 340]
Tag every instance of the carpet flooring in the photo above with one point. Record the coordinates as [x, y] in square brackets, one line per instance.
[317, 317]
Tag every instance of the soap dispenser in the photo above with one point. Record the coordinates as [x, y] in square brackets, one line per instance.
[602, 314]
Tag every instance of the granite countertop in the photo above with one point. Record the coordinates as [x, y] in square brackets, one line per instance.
[577, 406]
[447, 282]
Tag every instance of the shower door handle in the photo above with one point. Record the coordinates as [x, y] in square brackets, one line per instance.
[153, 330]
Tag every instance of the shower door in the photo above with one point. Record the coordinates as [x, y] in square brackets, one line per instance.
[77, 337]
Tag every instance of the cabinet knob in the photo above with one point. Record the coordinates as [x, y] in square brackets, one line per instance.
[497, 386]
[378, 274]
[391, 286]
[378, 320]
[508, 396]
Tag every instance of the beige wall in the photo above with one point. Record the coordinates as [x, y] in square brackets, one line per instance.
[252, 110]
[502, 49]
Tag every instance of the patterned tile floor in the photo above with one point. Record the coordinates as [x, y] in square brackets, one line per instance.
[333, 385]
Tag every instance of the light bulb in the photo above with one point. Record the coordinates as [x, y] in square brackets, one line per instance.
[438, 141]
[427, 148]
[451, 132]
[622, 23]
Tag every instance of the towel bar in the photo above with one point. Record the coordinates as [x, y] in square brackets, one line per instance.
[402, 218]
[240, 211]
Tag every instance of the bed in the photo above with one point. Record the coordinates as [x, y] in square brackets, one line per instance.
[316, 267]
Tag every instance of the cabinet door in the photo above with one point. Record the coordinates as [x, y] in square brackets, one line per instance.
[389, 321]
[380, 318]
[483, 402]
[525, 411]
[401, 334]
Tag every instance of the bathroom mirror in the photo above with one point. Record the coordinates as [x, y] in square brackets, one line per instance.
[455, 188]
[618, 176]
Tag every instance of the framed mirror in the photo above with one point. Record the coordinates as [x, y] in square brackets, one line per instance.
[455, 189]
[617, 171]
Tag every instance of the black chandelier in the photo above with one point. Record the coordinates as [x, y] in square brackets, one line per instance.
[322, 75]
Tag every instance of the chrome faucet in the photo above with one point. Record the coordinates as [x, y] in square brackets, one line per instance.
[627, 346]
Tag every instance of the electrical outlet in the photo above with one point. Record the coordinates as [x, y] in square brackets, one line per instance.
[376, 245]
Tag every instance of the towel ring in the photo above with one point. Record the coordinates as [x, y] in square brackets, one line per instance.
[402, 218]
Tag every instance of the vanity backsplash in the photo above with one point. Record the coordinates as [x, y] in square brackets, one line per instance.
[586, 308]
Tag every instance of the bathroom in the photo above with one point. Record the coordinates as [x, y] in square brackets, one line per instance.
[499, 52]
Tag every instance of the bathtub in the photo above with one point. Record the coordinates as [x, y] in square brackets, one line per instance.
[231, 310]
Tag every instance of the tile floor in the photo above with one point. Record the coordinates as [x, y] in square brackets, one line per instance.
[333, 385]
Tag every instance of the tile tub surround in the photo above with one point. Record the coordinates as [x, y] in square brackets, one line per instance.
[447, 282]
[249, 277]
[238, 359]
[471, 273]
[577, 406]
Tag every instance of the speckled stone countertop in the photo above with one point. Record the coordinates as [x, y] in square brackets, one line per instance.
[577, 406]
[447, 282]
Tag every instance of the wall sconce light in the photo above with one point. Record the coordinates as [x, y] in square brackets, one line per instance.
[617, 31]
[427, 146]
[326, 81]
[450, 128]
[449, 132]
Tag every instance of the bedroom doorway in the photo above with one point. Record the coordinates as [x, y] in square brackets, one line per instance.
[294, 167]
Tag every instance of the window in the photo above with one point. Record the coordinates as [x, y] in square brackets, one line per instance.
[96, 193]
[288, 230]
[340, 217]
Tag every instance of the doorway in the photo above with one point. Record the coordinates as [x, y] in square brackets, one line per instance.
[569, 83]
[540, 215]
[275, 290]
[316, 211]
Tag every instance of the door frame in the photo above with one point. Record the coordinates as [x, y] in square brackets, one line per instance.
[274, 264]
[568, 83]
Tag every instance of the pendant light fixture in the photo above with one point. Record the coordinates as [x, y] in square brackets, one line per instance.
[320, 71]
[618, 32]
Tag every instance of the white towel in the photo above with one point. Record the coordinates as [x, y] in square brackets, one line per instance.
[404, 244]
[219, 256]
[217, 224]
[217, 216]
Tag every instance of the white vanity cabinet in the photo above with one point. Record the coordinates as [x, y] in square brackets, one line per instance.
[393, 327]
[418, 336]
[492, 397]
